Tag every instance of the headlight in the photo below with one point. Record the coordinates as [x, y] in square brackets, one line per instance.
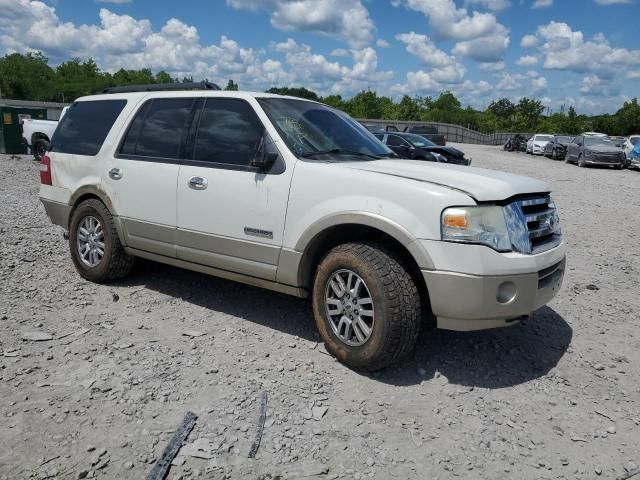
[485, 225]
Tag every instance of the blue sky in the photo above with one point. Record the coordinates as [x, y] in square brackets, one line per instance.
[583, 53]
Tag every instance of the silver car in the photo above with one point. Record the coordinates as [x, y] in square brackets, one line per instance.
[594, 150]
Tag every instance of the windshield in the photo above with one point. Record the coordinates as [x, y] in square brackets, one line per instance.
[543, 138]
[593, 141]
[308, 128]
[418, 140]
[634, 140]
[564, 139]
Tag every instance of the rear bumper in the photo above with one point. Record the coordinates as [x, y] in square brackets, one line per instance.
[57, 212]
[473, 302]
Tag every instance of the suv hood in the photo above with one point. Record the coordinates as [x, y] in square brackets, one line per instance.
[602, 149]
[481, 184]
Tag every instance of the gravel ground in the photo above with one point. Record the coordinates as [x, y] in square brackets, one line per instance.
[555, 397]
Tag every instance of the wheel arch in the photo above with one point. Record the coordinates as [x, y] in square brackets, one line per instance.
[330, 232]
[88, 192]
[39, 136]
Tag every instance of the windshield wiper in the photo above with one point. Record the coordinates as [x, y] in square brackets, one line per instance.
[338, 151]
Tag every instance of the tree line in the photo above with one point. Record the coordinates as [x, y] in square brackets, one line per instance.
[30, 77]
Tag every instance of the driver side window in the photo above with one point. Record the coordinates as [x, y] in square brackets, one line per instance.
[395, 141]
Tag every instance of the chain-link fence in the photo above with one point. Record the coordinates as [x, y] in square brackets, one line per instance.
[454, 133]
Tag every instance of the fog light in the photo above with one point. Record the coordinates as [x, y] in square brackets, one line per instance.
[507, 292]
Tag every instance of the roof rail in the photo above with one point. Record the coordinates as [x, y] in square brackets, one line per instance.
[161, 87]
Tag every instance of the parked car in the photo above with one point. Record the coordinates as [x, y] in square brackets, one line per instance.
[629, 143]
[556, 148]
[417, 147]
[37, 134]
[427, 131]
[294, 196]
[618, 141]
[374, 128]
[536, 144]
[594, 150]
[516, 143]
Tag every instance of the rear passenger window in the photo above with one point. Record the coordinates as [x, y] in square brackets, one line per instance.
[85, 126]
[229, 132]
[157, 129]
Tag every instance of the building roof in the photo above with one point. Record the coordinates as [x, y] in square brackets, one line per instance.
[7, 102]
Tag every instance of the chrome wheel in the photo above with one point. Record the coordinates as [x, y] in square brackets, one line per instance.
[349, 307]
[90, 241]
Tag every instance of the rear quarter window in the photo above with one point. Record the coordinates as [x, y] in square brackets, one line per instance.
[84, 127]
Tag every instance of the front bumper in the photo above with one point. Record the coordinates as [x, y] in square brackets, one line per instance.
[468, 302]
[594, 160]
[473, 287]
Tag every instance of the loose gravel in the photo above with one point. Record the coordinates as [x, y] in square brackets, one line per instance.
[95, 379]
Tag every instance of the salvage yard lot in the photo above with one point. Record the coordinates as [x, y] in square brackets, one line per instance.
[555, 397]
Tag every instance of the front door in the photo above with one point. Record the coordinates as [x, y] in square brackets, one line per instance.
[230, 215]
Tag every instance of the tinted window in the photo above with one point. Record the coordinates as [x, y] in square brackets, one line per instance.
[85, 126]
[229, 132]
[157, 129]
[379, 136]
[395, 141]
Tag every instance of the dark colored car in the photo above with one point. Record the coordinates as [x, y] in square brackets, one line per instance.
[427, 131]
[556, 148]
[594, 150]
[411, 145]
[516, 143]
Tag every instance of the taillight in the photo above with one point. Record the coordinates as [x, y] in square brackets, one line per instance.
[45, 170]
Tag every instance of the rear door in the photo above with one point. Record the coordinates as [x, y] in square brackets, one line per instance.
[573, 149]
[230, 215]
[142, 174]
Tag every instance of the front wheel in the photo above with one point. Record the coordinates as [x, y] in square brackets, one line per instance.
[95, 246]
[581, 161]
[366, 306]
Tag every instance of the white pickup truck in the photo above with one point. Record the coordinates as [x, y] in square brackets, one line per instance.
[297, 197]
[38, 134]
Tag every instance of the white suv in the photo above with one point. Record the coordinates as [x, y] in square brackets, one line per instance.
[297, 197]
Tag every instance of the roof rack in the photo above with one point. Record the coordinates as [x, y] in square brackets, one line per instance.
[161, 87]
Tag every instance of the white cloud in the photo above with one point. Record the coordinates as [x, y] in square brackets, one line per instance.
[382, 43]
[635, 74]
[612, 2]
[542, 3]
[527, 60]
[538, 85]
[592, 85]
[347, 19]
[446, 68]
[529, 41]
[492, 66]
[479, 35]
[339, 52]
[565, 49]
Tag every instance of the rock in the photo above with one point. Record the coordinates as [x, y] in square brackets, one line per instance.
[599, 367]
[115, 297]
[90, 448]
[319, 412]
[192, 333]
[598, 471]
[370, 461]
[128, 465]
[178, 461]
[83, 474]
[611, 430]
[36, 336]
[592, 287]
[200, 448]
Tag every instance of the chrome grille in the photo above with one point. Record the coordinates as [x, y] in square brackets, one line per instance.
[533, 224]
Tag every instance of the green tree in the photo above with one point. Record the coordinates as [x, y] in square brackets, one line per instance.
[164, 77]
[232, 86]
[408, 109]
[300, 92]
[365, 104]
[528, 114]
[629, 117]
[334, 101]
[26, 77]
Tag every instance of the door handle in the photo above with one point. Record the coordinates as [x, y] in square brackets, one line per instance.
[198, 183]
[115, 173]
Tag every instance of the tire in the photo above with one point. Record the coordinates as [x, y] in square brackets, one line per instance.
[396, 306]
[581, 162]
[554, 154]
[39, 149]
[115, 263]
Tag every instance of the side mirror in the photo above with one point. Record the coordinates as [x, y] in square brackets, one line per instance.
[266, 155]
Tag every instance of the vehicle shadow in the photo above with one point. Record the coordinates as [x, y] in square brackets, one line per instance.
[495, 358]
[489, 359]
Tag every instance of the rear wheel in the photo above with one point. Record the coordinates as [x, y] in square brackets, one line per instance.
[366, 306]
[95, 246]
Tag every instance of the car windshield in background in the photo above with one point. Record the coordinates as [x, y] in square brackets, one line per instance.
[600, 141]
[419, 140]
[634, 140]
[543, 138]
[564, 139]
[311, 129]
